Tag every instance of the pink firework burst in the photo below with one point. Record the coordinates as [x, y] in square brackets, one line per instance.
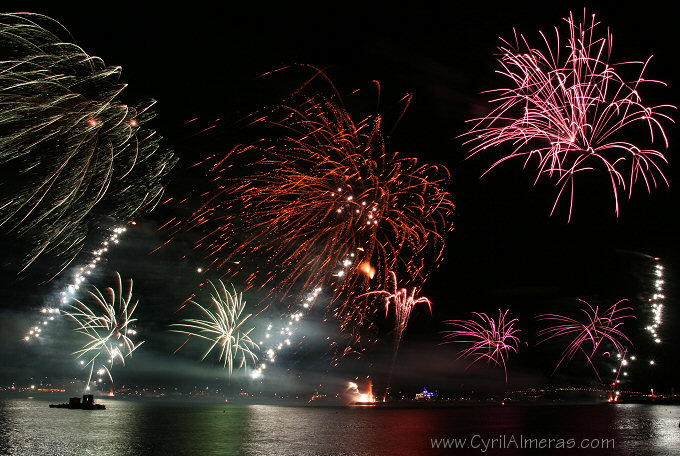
[403, 303]
[488, 339]
[588, 335]
[567, 108]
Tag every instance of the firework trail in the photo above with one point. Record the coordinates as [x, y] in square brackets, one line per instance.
[223, 327]
[318, 192]
[567, 108]
[69, 150]
[588, 335]
[656, 302]
[487, 339]
[48, 314]
[654, 311]
[108, 326]
[279, 338]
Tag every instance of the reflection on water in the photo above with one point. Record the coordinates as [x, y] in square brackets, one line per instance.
[649, 429]
[29, 427]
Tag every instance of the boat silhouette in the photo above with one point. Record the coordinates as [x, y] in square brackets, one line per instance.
[86, 404]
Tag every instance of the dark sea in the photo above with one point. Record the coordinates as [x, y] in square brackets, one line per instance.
[30, 427]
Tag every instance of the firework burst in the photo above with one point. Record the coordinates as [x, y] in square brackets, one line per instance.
[69, 150]
[108, 326]
[588, 335]
[403, 303]
[567, 108]
[223, 327]
[323, 204]
[487, 339]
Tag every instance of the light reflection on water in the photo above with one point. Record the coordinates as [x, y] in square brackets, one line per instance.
[29, 427]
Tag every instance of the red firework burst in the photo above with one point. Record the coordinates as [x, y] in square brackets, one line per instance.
[322, 204]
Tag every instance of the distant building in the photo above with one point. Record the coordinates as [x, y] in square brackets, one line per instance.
[425, 395]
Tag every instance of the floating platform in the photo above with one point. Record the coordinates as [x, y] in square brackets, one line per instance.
[75, 403]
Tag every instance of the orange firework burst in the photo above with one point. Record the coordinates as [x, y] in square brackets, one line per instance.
[321, 197]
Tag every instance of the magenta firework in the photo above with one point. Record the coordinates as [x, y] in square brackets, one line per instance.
[486, 338]
[569, 110]
[591, 334]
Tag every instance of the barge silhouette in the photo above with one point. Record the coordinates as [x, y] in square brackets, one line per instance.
[75, 403]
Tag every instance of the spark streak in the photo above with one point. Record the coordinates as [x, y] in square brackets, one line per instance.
[49, 314]
[403, 303]
[70, 150]
[319, 188]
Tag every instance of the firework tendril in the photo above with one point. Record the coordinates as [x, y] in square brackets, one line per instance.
[589, 334]
[403, 303]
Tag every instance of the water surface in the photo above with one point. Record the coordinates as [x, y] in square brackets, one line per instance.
[30, 427]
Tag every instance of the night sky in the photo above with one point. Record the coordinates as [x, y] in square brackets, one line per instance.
[505, 251]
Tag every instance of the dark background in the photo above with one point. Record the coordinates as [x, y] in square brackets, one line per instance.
[505, 250]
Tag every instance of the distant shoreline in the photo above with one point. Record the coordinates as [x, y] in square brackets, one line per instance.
[214, 401]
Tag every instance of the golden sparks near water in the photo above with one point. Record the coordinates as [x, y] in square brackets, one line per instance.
[107, 325]
[223, 326]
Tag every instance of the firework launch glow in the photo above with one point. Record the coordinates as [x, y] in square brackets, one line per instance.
[590, 335]
[69, 151]
[108, 326]
[223, 327]
[568, 109]
[356, 396]
[654, 307]
[486, 338]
